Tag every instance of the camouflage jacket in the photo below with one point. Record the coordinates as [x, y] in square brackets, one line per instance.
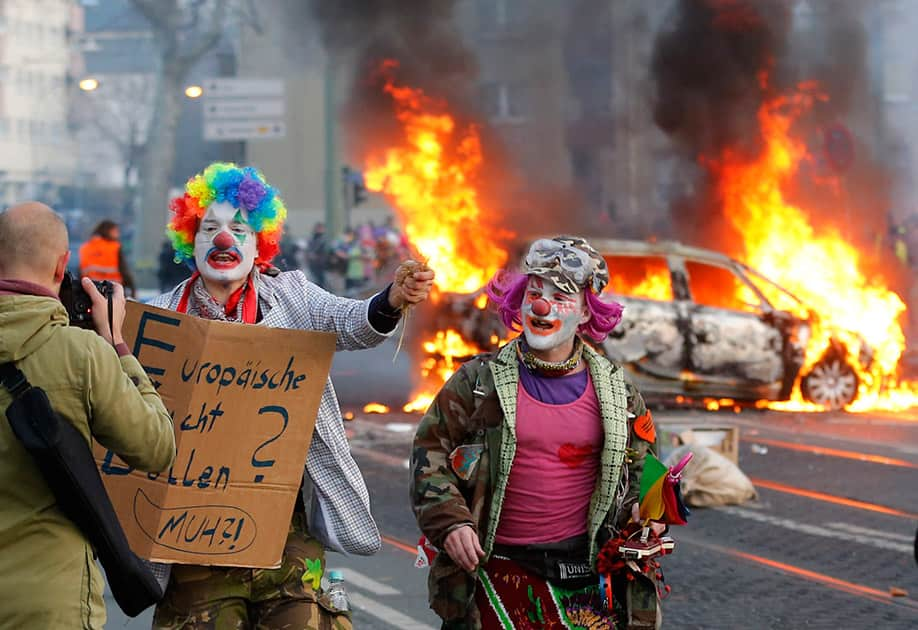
[477, 407]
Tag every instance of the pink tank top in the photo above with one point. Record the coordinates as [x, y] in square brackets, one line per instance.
[554, 471]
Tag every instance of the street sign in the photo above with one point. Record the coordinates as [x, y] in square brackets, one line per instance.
[243, 129]
[244, 109]
[249, 108]
[225, 87]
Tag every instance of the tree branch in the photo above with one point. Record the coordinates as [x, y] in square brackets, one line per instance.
[251, 17]
[156, 12]
[209, 39]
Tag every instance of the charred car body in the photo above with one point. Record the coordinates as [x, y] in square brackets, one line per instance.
[699, 324]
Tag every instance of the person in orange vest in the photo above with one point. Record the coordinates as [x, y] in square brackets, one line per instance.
[101, 257]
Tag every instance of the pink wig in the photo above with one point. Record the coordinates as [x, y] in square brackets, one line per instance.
[507, 288]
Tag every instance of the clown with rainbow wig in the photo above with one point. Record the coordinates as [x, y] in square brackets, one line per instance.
[529, 460]
[227, 227]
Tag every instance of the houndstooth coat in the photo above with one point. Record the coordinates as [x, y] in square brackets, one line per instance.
[333, 488]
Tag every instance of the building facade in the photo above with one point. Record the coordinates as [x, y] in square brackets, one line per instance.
[37, 61]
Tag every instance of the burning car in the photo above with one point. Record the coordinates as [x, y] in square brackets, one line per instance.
[698, 323]
[701, 325]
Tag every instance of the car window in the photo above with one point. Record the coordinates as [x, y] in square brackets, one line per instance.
[639, 276]
[719, 287]
[780, 298]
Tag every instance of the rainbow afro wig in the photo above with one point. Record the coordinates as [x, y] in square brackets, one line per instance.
[245, 189]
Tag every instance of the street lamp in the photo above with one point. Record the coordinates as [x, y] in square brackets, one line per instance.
[194, 91]
[88, 84]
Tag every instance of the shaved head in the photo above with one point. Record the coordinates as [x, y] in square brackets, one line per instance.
[32, 240]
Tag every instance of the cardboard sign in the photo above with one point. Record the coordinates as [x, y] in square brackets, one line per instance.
[243, 400]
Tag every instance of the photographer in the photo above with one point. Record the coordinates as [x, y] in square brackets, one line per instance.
[48, 574]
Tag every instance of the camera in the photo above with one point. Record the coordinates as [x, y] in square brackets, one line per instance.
[77, 301]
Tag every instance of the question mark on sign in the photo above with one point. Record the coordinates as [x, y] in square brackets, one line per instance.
[265, 463]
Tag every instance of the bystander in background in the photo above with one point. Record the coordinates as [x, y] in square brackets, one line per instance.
[102, 258]
[170, 272]
[317, 253]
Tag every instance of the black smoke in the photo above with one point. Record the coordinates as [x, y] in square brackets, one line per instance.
[433, 46]
[716, 62]
[420, 36]
[707, 65]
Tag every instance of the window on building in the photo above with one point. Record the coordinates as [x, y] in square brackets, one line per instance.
[499, 16]
[505, 101]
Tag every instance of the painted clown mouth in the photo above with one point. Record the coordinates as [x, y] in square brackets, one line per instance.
[543, 327]
[226, 259]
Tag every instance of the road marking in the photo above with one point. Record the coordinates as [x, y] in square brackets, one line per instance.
[361, 581]
[874, 421]
[826, 580]
[815, 530]
[856, 529]
[842, 585]
[400, 545]
[831, 498]
[387, 614]
[756, 427]
[401, 427]
[832, 452]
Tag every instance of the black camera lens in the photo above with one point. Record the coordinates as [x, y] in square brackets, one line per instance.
[77, 301]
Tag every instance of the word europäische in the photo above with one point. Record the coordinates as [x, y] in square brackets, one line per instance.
[247, 376]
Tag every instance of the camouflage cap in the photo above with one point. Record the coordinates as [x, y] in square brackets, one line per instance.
[568, 261]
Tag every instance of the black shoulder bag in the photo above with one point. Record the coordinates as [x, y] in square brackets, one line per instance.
[66, 463]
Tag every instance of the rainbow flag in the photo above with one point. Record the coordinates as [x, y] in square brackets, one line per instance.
[660, 497]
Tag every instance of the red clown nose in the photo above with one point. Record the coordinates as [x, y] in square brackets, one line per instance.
[223, 241]
[540, 308]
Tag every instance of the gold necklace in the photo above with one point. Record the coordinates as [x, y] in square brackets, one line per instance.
[535, 364]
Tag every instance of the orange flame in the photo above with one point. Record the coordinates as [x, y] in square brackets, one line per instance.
[375, 408]
[430, 179]
[655, 285]
[816, 264]
[444, 354]
[640, 277]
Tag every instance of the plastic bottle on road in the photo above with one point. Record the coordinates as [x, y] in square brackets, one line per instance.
[337, 595]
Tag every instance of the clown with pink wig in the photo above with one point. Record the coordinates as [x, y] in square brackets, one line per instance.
[227, 227]
[529, 460]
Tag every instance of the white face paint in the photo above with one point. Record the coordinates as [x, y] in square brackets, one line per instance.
[561, 313]
[225, 245]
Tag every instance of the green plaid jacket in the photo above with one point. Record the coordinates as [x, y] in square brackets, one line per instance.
[477, 406]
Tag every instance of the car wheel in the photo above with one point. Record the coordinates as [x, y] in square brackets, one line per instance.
[831, 383]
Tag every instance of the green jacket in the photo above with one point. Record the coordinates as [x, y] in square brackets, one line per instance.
[48, 574]
[477, 406]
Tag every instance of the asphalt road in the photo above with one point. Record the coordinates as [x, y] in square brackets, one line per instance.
[824, 546]
[827, 543]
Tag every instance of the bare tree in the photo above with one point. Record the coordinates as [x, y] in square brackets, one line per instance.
[115, 120]
[183, 31]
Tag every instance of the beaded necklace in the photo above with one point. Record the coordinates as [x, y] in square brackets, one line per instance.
[549, 368]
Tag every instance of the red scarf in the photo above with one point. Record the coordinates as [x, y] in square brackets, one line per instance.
[249, 304]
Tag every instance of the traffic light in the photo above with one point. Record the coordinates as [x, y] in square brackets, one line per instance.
[360, 191]
[355, 191]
